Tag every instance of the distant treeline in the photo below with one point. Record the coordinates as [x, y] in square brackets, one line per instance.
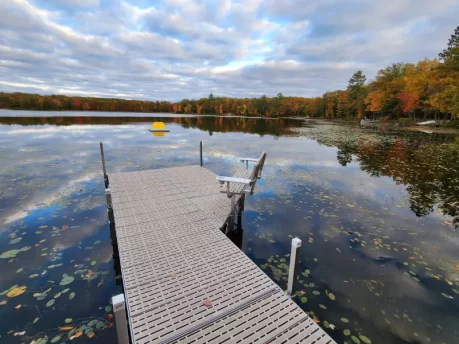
[428, 89]
[261, 126]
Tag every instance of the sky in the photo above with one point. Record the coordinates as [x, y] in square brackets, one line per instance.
[175, 49]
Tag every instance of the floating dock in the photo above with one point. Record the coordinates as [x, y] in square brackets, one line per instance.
[184, 280]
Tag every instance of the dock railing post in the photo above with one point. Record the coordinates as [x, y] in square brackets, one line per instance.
[292, 271]
[111, 217]
[103, 165]
[200, 151]
[119, 308]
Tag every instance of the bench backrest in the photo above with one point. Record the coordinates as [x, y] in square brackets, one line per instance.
[256, 172]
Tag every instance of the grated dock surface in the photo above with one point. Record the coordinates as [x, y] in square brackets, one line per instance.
[184, 280]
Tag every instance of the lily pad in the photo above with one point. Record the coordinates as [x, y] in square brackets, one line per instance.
[68, 320]
[344, 320]
[7, 290]
[17, 291]
[346, 332]
[42, 296]
[331, 296]
[50, 303]
[71, 295]
[66, 279]
[304, 299]
[35, 320]
[355, 339]
[9, 254]
[56, 339]
[19, 270]
[108, 309]
[57, 295]
[364, 339]
[15, 240]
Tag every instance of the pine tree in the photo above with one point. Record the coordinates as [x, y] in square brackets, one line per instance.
[357, 92]
[452, 51]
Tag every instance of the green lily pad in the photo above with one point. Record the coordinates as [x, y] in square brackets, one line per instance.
[347, 332]
[355, 340]
[9, 254]
[35, 320]
[316, 292]
[66, 279]
[304, 299]
[66, 290]
[57, 295]
[68, 320]
[42, 340]
[331, 296]
[71, 295]
[15, 240]
[108, 309]
[56, 339]
[344, 320]
[50, 303]
[19, 270]
[42, 296]
[364, 339]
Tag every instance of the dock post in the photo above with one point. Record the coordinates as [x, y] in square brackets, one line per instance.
[103, 165]
[111, 217]
[240, 209]
[292, 271]
[200, 151]
[119, 308]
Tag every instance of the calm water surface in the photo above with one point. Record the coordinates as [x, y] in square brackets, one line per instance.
[375, 209]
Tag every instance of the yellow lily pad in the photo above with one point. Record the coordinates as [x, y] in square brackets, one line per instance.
[17, 291]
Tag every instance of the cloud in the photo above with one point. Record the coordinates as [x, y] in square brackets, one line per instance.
[174, 49]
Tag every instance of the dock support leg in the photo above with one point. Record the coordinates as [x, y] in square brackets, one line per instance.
[119, 308]
[103, 165]
[200, 152]
[233, 214]
[240, 209]
[292, 271]
[111, 217]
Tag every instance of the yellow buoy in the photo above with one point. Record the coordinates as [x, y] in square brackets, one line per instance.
[156, 126]
[158, 129]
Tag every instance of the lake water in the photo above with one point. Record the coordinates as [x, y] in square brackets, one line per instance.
[375, 208]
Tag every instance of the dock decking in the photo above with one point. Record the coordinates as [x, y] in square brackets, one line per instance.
[184, 280]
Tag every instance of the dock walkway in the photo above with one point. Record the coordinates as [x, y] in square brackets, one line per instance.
[184, 280]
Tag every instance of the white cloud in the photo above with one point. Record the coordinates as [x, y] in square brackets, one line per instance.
[175, 49]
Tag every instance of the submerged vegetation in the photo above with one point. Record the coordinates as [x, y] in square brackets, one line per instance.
[426, 90]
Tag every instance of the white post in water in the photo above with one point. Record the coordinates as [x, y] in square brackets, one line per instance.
[292, 273]
[119, 308]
